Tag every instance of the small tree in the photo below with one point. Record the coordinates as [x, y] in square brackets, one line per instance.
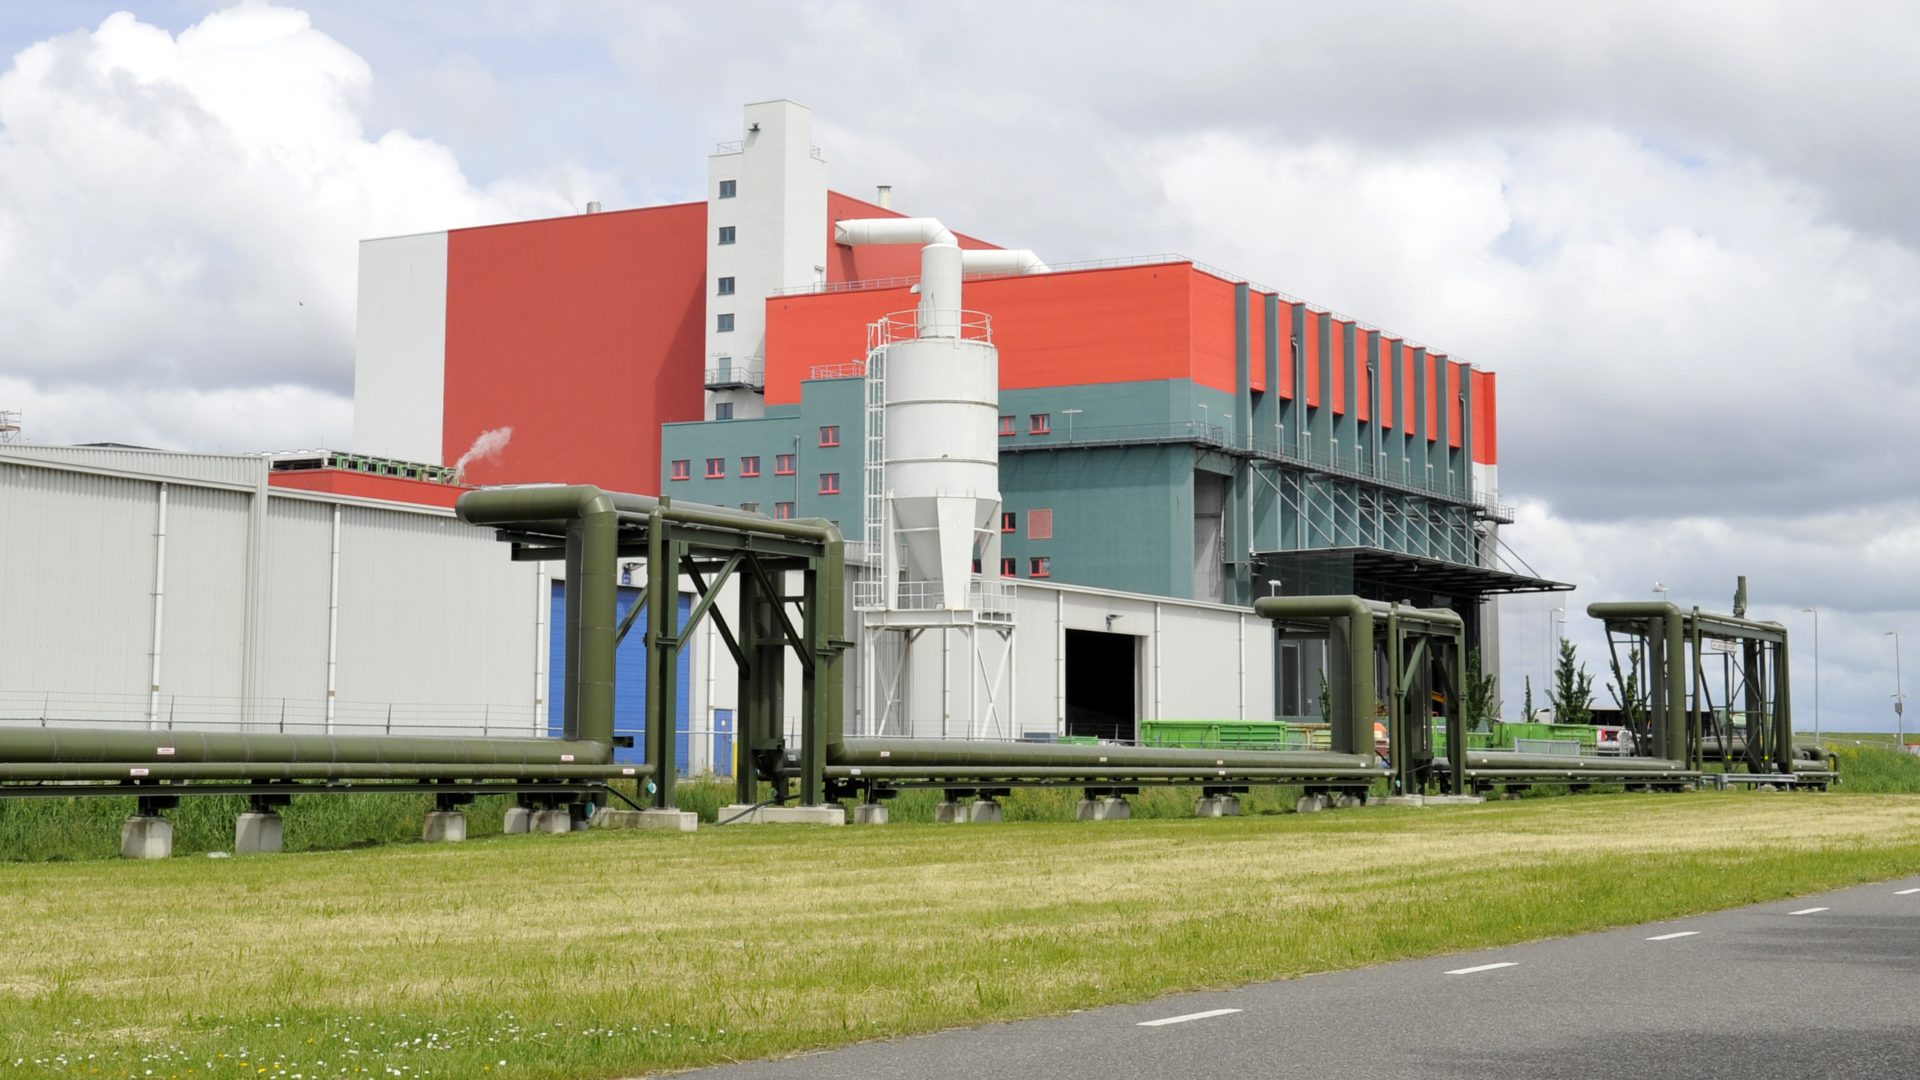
[1626, 692]
[1572, 697]
[1482, 704]
[1528, 719]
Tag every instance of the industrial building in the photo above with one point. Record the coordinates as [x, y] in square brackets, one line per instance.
[1121, 457]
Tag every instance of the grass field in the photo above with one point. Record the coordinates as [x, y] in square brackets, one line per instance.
[620, 953]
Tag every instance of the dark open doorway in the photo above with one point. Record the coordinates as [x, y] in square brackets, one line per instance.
[1101, 677]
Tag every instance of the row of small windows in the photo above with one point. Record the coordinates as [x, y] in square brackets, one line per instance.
[750, 467]
[1037, 424]
[1038, 566]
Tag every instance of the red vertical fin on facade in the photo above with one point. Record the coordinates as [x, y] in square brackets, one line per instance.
[1387, 387]
[1341, 333]
[1363, 379]
[1486, 421]
[1436, 367]
[1456, 417]
[1283, 329]
[1257, 340]
[1310, 352]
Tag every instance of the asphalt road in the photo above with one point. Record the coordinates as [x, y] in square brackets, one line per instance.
[1822, 986]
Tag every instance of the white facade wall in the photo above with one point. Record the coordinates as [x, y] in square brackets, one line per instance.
[437, 631]
[400, 348]
[779, 216]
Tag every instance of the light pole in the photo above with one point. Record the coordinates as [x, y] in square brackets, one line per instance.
[1815, 612]
[1070, 414]
[1661, 589]
[1899, 697]
[1557, 622]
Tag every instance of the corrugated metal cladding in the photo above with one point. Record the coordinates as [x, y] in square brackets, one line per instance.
[437, 630]
[227, 469]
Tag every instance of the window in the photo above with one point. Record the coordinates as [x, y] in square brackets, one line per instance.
[723, 410]
[783, 510]
[716, 468]
[724, 287]
[750, 507]
[1006, 425]
[1006, 567]
[750, 466]
[829, 483]
[1009, 521]
[728, 188]
[830, 435]
[976, 566]
[1039, 424]
[723, 322]
[726, 234]
[682, 469]
[783, 464]
[1040, 566]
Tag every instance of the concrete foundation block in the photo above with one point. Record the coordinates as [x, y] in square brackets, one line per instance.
[1311, 804]
[519, 819]
[1455, 800]
[1348, 802]
[670, 820]
[984, 812]
[1102, 809]
[949, 813]
[617, 819]
[1406, 800]
[551, 821]
[1229, 805]
[782, 815]
[1208, 807]
[444, 827]
[870, 814]
[146, 838]
[258, 834]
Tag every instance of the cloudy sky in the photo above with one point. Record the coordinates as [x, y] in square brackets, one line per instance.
[1686, 235]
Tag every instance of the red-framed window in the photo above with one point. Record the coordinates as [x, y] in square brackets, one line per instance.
[1009, 521]
[829, 434]
[1006, 426]
[783, 464]
[1006, 567]
[783, 510]
[976, 566]
[1039, 524]
[1039, 423]
[682, 469]
[750, 465]
[1040, 566]
[716, 468]
[829, 483]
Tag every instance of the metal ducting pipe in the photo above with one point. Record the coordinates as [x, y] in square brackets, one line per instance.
[942, 263]
[1355, 735]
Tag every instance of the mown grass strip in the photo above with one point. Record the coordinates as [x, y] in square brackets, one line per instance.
[616, 954]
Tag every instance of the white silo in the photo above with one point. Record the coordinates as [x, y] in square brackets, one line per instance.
[942, 400]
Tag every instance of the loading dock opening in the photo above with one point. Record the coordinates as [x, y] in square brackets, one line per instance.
[1102, 673]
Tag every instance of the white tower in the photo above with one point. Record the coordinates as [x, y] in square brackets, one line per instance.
[766, 230]
[933, 499]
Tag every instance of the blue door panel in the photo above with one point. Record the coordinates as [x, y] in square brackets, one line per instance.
[630, 682]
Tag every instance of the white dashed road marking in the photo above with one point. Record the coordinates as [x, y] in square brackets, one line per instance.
[1809, 911]
[1164, 1021]
[1906, 892]
[1483, 967]
[1670, 937]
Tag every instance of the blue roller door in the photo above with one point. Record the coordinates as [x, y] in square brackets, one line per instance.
[630, 682]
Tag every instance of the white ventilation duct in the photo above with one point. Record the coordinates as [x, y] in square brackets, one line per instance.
[942, 402]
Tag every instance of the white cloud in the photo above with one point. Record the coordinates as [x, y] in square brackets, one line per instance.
[179, 217]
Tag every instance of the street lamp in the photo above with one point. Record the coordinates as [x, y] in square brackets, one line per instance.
[1661, 589]
[1273, 586]
[1899, 697]
[1815, 612]
[1070, 414]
